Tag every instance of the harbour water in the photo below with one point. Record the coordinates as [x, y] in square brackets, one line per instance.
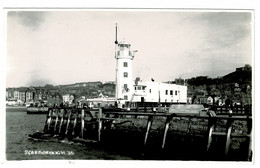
[19, 124]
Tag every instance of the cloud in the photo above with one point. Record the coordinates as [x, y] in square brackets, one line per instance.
[76, 46]
[223, 42]
[30, 19]
[226, 28]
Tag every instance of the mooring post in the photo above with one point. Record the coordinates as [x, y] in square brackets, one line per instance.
[99, 123]
[249, 154]
[68, 122]
[211, 124]
[61, 120]
[229, 129]
[56, 120]
[82, 123]
[168, 120]
[49, 120]
[46, 122]
[249, 132]
[149, 124]
[75, 122]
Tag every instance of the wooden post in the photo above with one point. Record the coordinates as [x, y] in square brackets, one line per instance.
[168, 120]
[82, 123]
[74, 123]
[149, 123]
[49, 120]
[228, 140]
[249, 131]
[56, 120]
[46, 122]
[211, 124]
[61, 120]
[68, 122]
[99, 123]
[249, 154]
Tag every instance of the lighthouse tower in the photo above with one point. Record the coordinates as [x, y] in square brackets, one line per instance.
[124, 73]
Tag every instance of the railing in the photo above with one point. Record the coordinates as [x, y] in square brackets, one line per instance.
[237, 110]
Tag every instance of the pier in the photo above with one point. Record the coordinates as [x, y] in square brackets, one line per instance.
[159, 131]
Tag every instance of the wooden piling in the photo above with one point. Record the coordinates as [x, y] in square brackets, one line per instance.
[74, 123]
[211, 125]
[49, 120]
[228, 140]
[68, 122]
[46, 122]
[99, 123]
[56, 119]
[82, 123]
[168, 120]
[61, 120]
[249, 132]
[149, 124]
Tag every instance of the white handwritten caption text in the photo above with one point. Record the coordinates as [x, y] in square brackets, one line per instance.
[31, 152]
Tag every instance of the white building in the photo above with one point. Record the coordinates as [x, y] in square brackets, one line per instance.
[68, 98]
[159, 92]
[16, 95]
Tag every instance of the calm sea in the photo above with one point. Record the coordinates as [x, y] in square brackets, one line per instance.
[19, 124]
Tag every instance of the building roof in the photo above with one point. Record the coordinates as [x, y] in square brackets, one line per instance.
[145, 83]
[124, 42]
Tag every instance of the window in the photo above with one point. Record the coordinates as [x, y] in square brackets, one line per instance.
[139, 87]
[166, 92]
[125, 87]
[125, 74]
[125, 97]
[150, 90]
[121, 46]
[125, 64]
[171, 92]
[176, 92]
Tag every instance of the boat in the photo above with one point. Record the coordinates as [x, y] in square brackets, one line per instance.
[37, 110]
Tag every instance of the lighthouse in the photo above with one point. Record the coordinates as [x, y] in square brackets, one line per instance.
[124, 73]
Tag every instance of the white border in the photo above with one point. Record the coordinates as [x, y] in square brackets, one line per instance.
[145, 4]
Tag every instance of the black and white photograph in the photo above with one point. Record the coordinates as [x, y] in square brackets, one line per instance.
[129, 84]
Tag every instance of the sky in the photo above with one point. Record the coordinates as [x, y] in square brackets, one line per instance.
[65, 47]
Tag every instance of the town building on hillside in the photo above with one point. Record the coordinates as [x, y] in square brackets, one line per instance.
[21, 95]
[68, 98]
[16, 94]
